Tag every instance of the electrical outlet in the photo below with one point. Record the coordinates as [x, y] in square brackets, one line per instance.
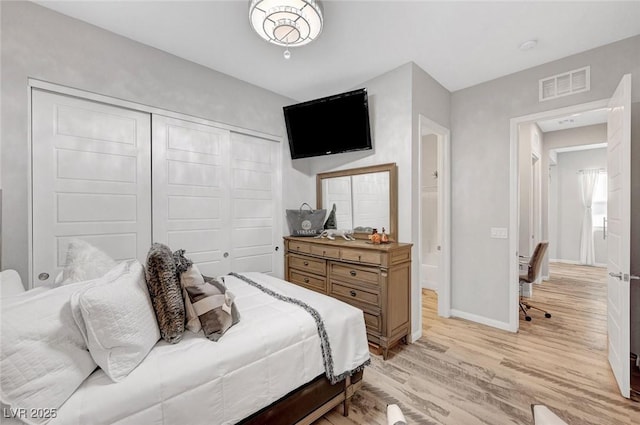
[499, 232]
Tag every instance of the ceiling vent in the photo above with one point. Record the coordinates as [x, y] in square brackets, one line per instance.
[572, 82]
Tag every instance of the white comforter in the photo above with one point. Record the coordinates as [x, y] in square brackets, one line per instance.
[274, 349]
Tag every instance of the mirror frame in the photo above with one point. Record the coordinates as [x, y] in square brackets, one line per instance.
[393, 192]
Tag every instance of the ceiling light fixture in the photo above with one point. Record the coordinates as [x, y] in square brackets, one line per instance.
[287, 23]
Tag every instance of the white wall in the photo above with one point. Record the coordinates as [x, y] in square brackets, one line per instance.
[567, 207]
[480, 125]
[42, 44]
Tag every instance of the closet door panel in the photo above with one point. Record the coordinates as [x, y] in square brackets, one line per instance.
[91, 180]
[190, 191]
[255, 208]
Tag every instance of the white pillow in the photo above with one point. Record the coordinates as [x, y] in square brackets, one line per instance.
[109, 277]
[43, 357]
[84, 262]
[121, 322]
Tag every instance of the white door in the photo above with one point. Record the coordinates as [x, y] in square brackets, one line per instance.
[191, 191]
[618, 245]
[255, 205]
[216, 194]
[91, 180]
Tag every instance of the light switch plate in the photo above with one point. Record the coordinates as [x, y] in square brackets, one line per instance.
[499, 232]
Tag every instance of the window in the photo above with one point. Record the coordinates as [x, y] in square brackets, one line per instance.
[599, 203]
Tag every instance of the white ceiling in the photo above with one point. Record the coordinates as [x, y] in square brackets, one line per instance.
[460, 44]
[582, 119]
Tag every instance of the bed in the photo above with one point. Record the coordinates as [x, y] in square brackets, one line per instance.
[275, 366]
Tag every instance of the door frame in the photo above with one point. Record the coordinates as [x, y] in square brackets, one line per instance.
[444, 210]
[514, 194]
[33, 83]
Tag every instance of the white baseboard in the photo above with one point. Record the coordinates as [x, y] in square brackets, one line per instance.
[482, 320]
[576, 263]
[545, 278]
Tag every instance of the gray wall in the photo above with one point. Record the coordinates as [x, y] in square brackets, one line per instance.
[480, 120]
[42, 44]
[396, 98]
[567, 208]
[587, 135]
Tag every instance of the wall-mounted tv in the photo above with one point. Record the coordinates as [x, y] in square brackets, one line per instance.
[329, 125]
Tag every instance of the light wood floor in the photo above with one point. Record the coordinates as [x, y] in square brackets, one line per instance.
[463, 373]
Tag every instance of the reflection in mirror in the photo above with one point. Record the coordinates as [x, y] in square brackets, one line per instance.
[363, 198]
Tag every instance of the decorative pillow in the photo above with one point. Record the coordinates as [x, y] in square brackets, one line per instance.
[84, 262]
[165, 292]
[214, 306]
[108, 278]
[120, 321]
[191, 278]
[43, 357]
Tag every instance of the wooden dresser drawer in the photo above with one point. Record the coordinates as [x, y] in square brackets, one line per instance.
[325, 251]
[373, 322]
[360, 256]
[308, 281]
[308, 264]
[344, 272]
[302, 247]
[357, 295]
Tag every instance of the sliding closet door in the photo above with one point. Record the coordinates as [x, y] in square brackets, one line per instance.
[216, 194]
[255, 204]
[91, 180]
[191, 191]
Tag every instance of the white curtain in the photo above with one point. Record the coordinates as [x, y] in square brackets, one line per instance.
[589, 179]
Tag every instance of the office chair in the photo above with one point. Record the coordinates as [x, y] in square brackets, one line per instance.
[533, 270]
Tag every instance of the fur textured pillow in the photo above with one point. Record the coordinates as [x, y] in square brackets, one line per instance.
[165, 292]
[214, 306]
[84, 262]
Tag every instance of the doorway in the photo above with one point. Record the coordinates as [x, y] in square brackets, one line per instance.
[434, 212]
[618, 109]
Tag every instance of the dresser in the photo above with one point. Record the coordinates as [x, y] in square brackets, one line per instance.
[373, 278]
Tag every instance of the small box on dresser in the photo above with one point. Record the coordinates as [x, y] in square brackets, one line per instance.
[373, 278]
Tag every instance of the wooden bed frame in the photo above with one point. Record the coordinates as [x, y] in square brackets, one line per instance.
[308, 403]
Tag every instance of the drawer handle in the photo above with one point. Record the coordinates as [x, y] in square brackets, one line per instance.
[306, 280]
[352, 293]
[352, 273]
[306, 263]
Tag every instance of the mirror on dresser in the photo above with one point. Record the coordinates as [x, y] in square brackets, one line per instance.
[365, 198]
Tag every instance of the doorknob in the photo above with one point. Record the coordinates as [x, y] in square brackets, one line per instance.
[225, 255]
[43, 276]
[616, 275]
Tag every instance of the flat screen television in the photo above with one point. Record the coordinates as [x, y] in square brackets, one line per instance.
[329, 125]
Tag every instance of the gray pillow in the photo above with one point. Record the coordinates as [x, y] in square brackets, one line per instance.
[165, 292]
[214, 306]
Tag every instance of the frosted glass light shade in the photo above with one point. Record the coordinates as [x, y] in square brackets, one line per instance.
[286, 22]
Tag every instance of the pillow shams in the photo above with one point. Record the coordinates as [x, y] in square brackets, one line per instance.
[43, 356]
[120, 322]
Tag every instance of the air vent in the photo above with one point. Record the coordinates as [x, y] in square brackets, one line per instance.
[564, 84]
